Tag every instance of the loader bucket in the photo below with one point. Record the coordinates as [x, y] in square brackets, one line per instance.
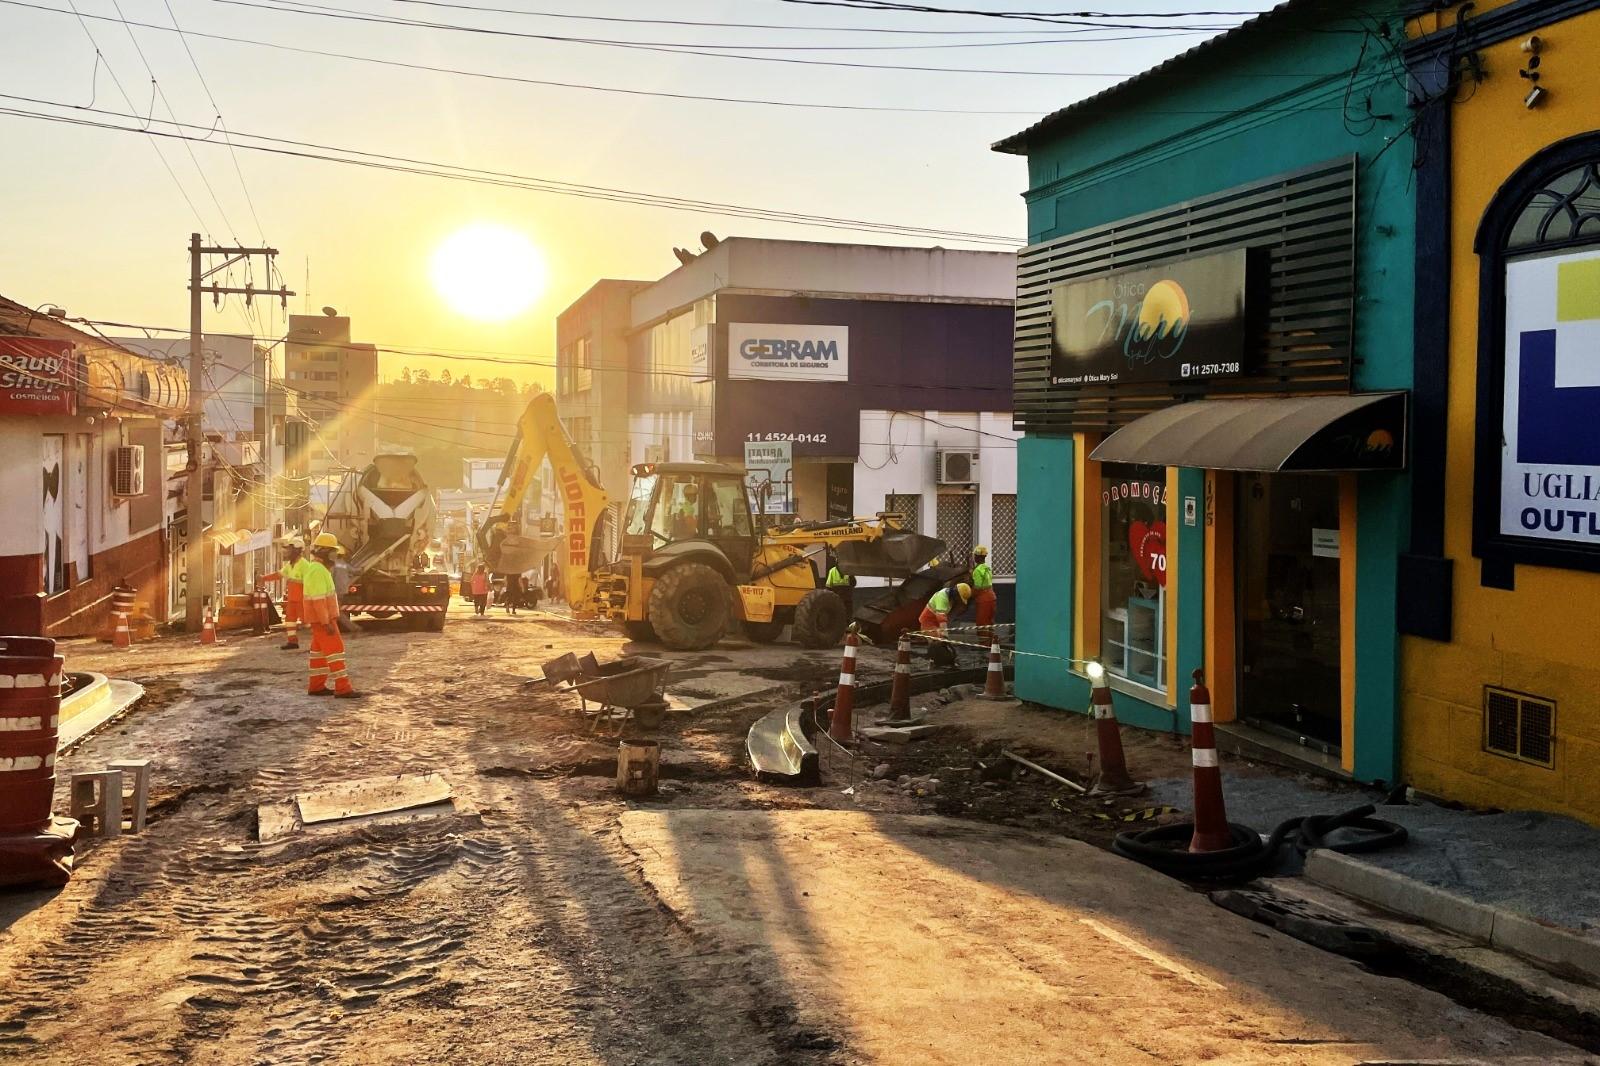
[516, 554]
[895, 554]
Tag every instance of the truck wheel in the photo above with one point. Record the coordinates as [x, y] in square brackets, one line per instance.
[641, 631]
[436, 622]
[764, 632]
[689, 607]
[820, 619]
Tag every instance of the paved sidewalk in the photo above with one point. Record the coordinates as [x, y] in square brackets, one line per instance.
[1538, 865]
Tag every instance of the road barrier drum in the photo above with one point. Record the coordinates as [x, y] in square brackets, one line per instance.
[30, 715]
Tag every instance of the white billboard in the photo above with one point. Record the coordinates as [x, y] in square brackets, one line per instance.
[769, 474]
[1550, 451]
[778, 352]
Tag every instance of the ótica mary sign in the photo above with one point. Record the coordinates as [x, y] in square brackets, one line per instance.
[37, 376]
[1186, 320]
[1550, 455]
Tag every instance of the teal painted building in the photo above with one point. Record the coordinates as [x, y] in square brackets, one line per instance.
[1213, 372]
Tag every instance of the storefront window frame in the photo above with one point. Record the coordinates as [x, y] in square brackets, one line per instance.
[1156, 656]
[1521, 193]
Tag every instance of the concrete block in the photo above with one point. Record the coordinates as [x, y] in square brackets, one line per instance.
[1400, 894]
[898, 735]
[136, 803]
[97, 801]
[1546, 943]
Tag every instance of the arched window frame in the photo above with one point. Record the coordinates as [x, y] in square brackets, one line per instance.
[1565, 227]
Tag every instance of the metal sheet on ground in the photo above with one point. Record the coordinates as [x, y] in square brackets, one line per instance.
[371, 795]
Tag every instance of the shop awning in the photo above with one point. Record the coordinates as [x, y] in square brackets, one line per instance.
[1305, 433]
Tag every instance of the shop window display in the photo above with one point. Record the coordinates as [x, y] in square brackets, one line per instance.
[1133, 569]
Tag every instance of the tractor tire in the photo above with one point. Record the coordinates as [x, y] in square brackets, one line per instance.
[640, 631]
[764, 632]
[820, 619]
[689, 607]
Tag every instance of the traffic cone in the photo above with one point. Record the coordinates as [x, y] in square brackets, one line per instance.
[1211, 832]
[208, 627]
[259, 599]
[900, 690]
[1113, 767]
[840, 725]
[121, 636]
[994, 682]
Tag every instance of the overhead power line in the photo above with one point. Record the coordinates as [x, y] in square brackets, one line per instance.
[1061, 37]
[635, 21]
[708, 52]
[518, 79]
[1069, 18]
[452, 172]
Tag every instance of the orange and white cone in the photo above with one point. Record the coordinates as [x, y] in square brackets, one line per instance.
[208, 627]
[994, 682]
[1211, 832]
[259, 600]
[121, 635]
[841, 726]
[900, 690]
[1113, 766]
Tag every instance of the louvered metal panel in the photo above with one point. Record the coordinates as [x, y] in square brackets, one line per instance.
[1305, 223]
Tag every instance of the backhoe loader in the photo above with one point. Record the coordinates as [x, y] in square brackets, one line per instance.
[691, 558]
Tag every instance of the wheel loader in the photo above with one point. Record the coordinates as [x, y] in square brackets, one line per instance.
[692, 559]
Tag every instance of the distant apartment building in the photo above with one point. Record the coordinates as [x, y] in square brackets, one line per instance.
[335, 382]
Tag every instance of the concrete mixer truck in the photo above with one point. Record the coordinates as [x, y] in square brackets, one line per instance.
[384, 517]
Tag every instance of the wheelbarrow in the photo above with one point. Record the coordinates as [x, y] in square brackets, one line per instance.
[626, 689]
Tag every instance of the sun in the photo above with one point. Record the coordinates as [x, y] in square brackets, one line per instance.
[489, 272]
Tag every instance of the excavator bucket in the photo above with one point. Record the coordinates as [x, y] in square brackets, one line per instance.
[895, 554]
[516, 554]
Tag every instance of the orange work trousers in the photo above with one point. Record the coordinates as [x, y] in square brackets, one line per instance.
[984, 603]
[327, 660]
[294, 612]
[931, 621]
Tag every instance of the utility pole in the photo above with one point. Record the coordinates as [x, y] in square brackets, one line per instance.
[199, 560]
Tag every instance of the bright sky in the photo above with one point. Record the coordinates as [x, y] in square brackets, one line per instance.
[94, 222]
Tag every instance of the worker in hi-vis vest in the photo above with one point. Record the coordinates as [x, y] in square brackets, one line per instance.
[983, 598]
[842, 585]
[936, 615]
[292, 576]
[322, 612]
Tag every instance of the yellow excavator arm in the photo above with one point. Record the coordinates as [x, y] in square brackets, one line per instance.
[541, 436]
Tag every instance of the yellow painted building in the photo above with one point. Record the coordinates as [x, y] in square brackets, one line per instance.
[1500, 594]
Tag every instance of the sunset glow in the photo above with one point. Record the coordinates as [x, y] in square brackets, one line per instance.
[489, 272]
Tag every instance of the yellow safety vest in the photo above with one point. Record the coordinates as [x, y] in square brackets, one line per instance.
[294, 571]
[318, 579]
[940, 603]
[836, 579]
[982, 576]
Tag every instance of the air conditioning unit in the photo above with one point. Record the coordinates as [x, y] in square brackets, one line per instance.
[958, 468]
[127, 470]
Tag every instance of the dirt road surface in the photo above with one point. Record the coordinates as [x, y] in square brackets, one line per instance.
[543, 928]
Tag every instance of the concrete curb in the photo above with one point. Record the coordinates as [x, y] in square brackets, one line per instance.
[1496, 926]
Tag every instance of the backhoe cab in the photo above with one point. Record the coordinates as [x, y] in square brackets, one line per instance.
[692, 559]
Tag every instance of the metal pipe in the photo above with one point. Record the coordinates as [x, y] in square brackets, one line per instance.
[1036, 768]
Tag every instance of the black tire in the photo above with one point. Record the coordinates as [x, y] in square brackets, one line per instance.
[642, 631]
[764, 632]
[820, 619]
[436, 622]
[689, 607]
